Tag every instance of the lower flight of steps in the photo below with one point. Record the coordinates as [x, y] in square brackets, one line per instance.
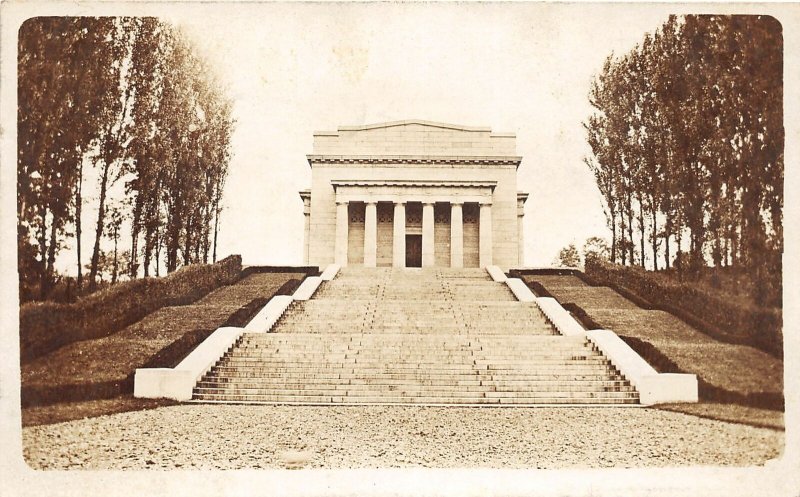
[414, 368]
[402, 336]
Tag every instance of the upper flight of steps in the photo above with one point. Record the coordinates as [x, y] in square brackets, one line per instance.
[421, 336]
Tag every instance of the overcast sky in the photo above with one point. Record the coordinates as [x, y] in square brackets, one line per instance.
[296, 69]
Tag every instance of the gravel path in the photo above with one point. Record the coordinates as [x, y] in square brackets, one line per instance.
[230, 436]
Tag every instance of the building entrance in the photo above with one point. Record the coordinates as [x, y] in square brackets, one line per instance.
[413, 250]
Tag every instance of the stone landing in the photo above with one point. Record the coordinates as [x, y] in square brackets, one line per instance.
[414, 336]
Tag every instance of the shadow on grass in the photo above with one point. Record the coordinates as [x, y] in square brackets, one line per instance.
[167, 357]
[70, 411]
[709, 393]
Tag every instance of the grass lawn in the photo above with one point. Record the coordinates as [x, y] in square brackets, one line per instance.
[739, 369]
[114, 357]
[732, 413]
[70, 411]
[736, 368]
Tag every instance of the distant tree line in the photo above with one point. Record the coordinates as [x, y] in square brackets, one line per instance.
[571, 257]
[687, 144]
[128, 98]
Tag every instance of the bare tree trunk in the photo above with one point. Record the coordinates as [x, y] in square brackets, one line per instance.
[172, 234]
[101, 213]
[654, 232]
[51, 249]
[679, 240]
[115, 272]
[78, 224]
[43, 286]
[613, 237]
[622, 246]
[726, 255]
[642, 228]
[630, 234]
[133, 268]
[187, 248]
[51, 254]
[148, 250]
[667, 236]
[158, 251]
[216, 232]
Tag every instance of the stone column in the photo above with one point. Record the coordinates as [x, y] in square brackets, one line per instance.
[306, 235]
[399, 235]
[456, 235]
[306, 197]
[521, 198]
[428, 258]
[342, 220]
[485, 230]
[371, 235]
[521, 240]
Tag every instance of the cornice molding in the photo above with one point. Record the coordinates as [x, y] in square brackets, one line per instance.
[509, 160]
[434, 183]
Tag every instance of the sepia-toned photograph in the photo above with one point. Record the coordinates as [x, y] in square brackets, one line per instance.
[300, 242]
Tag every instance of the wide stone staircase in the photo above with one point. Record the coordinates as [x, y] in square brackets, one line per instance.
[414, 336]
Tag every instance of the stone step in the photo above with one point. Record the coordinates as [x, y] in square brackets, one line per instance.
[387, 399]
[454, 321]
[430, 331]
[406, 337]
[411, 328]
[366, 367]
[426, 336]
[439, 317]
[509, 341]
[409, 348]
[421, 391]
[326, 345]
[428, 311]
[451, 319]
[402, 355]
[432, 365]
[495, 376]
[388, 357]
[466, 385]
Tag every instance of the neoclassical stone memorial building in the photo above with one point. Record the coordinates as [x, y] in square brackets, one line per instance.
[414, 194]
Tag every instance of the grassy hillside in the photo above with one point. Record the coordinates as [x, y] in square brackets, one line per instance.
[732, 374]
[104, 367]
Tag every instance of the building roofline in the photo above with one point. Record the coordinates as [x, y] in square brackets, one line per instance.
[421, 122]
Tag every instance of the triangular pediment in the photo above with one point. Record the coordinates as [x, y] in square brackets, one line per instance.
[417, 124]
[414, 137]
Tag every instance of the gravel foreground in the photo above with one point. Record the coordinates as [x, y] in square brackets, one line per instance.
[239, 436]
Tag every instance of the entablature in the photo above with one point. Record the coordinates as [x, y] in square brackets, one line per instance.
[412, 160]
[426, 191]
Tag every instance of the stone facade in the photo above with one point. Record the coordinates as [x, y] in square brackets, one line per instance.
[414, 193]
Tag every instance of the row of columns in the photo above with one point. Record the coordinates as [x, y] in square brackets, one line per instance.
[399, 234]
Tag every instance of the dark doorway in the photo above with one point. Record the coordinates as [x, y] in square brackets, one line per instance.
[413, 250]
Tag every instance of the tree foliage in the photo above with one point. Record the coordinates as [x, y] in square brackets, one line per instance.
[130, 99]
[596, 248]
[687, 144]
[568, 256]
